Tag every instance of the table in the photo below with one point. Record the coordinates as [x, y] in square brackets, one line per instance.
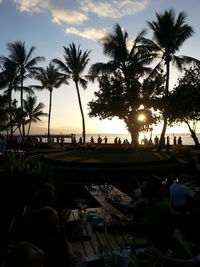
[102, 197]
[101, 238]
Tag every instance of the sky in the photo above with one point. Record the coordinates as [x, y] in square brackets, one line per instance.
[51, 24]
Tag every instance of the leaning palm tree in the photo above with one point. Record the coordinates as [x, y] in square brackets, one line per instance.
[33, 110]
[50, 78]
[74, 64]
[169, 33]
[128, 59]
[25, 63]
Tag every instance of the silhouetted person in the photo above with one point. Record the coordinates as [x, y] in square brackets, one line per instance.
[168, 143]
[180, 141]
[92, 140]
[174, 140]
[80, 140]
[156, 140]
[116, 140]
[99, 140]
[105, 139]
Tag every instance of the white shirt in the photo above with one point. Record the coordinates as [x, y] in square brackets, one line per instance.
[178, 193]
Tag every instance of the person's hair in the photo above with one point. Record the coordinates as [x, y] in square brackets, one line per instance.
[153, 186]
[26, 254]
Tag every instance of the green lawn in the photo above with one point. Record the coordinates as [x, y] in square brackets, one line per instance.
[94, 156]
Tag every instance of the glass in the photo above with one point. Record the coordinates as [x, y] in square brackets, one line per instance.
[106, 255]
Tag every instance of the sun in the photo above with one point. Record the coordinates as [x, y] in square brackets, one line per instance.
[141, 117]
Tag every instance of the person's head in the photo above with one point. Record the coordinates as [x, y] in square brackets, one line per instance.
[181, 179]
[133, 182]
[152, 187]
[46, 220]
[26, 254]
[170, 179]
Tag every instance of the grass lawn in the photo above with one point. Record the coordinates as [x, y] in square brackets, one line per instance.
[94, 156]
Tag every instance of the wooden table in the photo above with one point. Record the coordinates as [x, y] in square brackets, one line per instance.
[100, 238]
[98, 193]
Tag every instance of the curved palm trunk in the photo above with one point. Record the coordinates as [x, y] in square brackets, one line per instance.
[49, 117]
[193, 135]
[162, 136]
[81, 109]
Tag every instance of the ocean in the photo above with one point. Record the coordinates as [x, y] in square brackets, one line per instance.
[186, 138]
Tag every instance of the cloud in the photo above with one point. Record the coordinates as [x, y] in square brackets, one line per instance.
[113, 8]
[61, 13]
[68, 16]
[31, 6]
[89, 33]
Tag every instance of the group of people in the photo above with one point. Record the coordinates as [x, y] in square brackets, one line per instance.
[156, 210]
[40, 238]
[167, 142]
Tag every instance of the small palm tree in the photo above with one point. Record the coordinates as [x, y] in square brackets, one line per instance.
[169, 33]
[9, 80]
[33, 111]
[3, 112]
[50, 78]
[74, 64]
[25, 63]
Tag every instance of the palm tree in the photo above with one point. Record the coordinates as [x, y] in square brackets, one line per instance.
[169, 33]
[9, 80]
[33, 111]
[25, 64]
[50, 78]
[75, 61]
[3, 112]
[130, 60]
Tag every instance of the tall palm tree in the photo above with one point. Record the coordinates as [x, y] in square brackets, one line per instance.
[50, 78]
[9, 80]
[33, 111]
[169, 33]
[74, 64]
[130, 60]
[25, 63]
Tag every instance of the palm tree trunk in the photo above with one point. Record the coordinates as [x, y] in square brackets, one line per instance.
[29, 127]
[162, 137]
[22, 107]
[10, 112]
[81, 109]
[49, 117]
[193, 135]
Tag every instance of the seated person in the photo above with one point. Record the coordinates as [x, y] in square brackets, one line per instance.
[44, 196]
[135, 208]
[153, 255]
[46, 232]
[178, 195]
[135, 190]
[25, 254]
[157, 223]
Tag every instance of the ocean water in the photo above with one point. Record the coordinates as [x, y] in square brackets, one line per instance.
[186, 138]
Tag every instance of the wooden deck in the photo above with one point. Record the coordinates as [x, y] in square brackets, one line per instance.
[100, 238]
